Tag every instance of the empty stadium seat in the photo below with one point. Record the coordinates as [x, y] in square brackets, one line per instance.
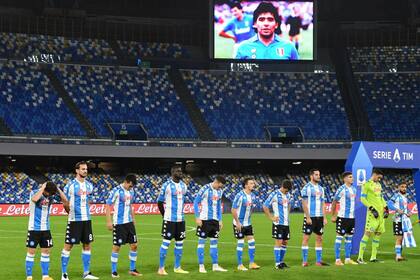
[30, 106]
[21, 46]
[109, 94]
[239, 105]
[384, 58]
[392, 101]
[163, 50]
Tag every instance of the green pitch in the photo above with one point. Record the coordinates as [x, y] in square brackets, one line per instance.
[13, 252]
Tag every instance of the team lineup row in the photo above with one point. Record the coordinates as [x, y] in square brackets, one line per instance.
[208, 213]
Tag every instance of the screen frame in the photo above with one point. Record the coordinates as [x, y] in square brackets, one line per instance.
[314, 59]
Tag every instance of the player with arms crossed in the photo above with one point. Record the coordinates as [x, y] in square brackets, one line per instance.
[241, 211]
[313, 198]
[376, 214]
[122, 224]
[173, 226]
[239, 28]
[266, 44]
[39, 227]
[209, 221]
[79, 226]
[399, 204]
[345, 221]
[280, 201]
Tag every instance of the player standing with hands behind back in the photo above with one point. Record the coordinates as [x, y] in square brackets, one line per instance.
[79, 227]
[241, 211]
[173, 226]
[279, 201]
[313, 198]
[346, 196]
[122, 224]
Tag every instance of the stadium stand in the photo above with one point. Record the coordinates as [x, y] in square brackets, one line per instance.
[162, 50]
[392, 101]
[384, 58]
[30, 106]
[239, 105]
[108, 94]
[15, 187]
[20, 46]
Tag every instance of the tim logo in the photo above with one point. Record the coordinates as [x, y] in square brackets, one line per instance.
[361, 176]
[396, 156]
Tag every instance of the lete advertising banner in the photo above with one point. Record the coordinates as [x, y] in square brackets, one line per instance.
[11, 210]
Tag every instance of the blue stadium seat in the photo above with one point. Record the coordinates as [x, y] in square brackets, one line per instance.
[163, 50]
[109, 94]
[239, 105]
[392, 102]
[21, 46]
[384, 58]
[16, 187]
[30, 106]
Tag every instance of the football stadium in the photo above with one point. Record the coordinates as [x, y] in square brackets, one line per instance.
[211, 139]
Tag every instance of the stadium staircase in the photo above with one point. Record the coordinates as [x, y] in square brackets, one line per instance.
[4, 129]
[55, 82]
[360, 128]
[197, 119]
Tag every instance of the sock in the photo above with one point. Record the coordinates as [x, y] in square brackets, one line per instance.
[348, 246]
[239, 250]
[45, 264]
[251, 250]
[337, 246]
[282, 253]
[305, 254]
[114, 261]
[133, 259]
[200, 250]
[178, 253]
[163, 252]
[398, 251]
[362, 248]
[277, 255]
[65, 257]
[375, 246]
[318, 251]
[29, 264]
[86, 261]
[214, 251]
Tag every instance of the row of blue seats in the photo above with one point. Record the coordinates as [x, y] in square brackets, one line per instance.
[15, 187]
[385, 58]
[247, 102]
[98, 51]
[392, 102]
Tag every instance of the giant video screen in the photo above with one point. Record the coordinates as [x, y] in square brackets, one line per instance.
[263, 30]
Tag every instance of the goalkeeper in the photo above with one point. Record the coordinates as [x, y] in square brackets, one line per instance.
[376, 214]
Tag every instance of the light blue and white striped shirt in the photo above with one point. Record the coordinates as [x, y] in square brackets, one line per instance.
[39, 213]
[280, 204]
[122, 200]
[172, 194]
[211, 203]
[346, 196]
[78, 195]
[314, 195]
[398, 202]
[244, 203]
